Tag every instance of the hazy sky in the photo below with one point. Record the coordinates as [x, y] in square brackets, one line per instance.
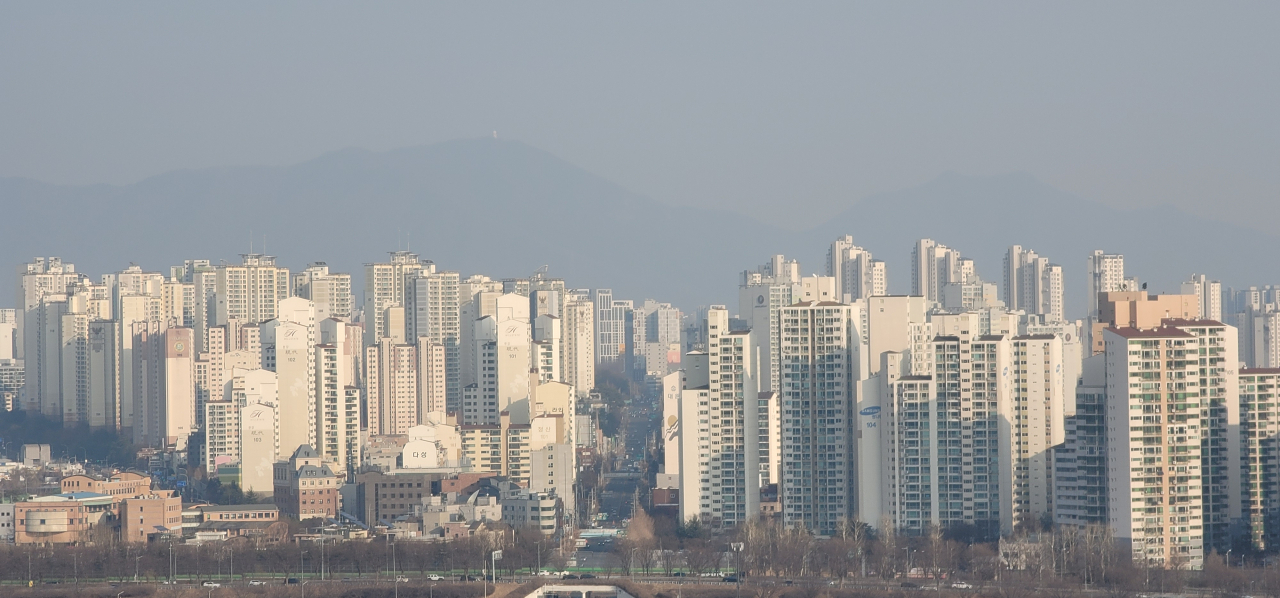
[744, 106]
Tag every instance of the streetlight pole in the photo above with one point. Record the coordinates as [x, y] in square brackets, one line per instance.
[135, 566]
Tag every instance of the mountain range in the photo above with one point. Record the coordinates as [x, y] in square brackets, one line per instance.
[504, 209]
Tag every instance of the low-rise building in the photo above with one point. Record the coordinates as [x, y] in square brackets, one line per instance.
[119, 486]
[255, 521]
[150, 516]
[521, 507]
[305, 486]
[6, 523]
[61, 518]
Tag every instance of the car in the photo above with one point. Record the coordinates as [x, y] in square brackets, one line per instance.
[256, 582]
[678, 574]
[787, 582]
[211, 584]
[434, 577]
[544, 573]
[730, 579]
[960, 585]
[570, 576]
[402, 580]
[587, 576]
[291, 580]
[909, 585]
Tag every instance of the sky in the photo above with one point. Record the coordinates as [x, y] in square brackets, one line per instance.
[787, 112]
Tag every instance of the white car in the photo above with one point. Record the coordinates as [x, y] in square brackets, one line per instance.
[434, 577]
[402, 580]
[960, 585]
[545, 573]
[256, 582]
[211, 584]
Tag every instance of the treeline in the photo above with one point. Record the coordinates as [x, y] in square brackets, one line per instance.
[523, 550]
[76, 443]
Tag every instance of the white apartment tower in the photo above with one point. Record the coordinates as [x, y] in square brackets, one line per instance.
[501, 352]
[288, 350]
[1210, 294]
[432, 311]
[1032, 284]
[1214, 351]
[761, 295]
[384, 288]
[1154, 437]
[610, 331]
[391, 379]
[948, 436]
[337, 430]
[547, 348]
[1260, 429]
[719, 434]
[857, 275]
[934, 265]
[330, 292]
[432, 378]
[819, 372]
[578, 343]
[251, 291]
[42, 278]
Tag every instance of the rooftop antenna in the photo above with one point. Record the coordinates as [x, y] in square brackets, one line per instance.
[264, 243]
[250, 240]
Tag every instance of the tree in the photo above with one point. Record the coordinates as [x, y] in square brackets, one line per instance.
[701, 556]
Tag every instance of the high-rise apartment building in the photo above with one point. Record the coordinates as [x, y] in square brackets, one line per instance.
[1154, 437]
[761, 296]
[337, 430]
[1080, 463]
[1032, 284]
[819, 373]
[391, 378]
[719, 432]
[934, 265]
[330, 292]
[164, 403]
[251, 291]
[288, 350]
[432, 377]
[578, 346]
[1209, 293]
[43, 280]
[1260, 432]
[1212, 352]
[949, 457]
[432, 311]
[384, 288]
[501, 352]
[856, 274]
[611, 326]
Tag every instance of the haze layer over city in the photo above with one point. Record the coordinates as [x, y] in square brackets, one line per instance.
[485, 299]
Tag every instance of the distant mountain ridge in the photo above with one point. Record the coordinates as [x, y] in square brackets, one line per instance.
[503, 208]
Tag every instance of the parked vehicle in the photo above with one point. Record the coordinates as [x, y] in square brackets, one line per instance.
[256, 582]
[211, 584]
[434, 577]
[960, 585]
